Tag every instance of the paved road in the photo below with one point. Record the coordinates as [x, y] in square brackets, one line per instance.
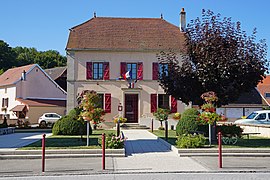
[16, 140]
[155, 176]
[145, 155]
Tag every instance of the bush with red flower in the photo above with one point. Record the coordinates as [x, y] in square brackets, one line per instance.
[89, 101]
[209, 115]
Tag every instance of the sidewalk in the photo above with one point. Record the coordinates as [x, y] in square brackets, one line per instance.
[17, 140]
[146, 153]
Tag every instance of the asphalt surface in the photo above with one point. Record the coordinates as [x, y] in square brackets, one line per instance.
[146, 154]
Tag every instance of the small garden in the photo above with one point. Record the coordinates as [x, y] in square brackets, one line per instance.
[192, 130]
[81, 128]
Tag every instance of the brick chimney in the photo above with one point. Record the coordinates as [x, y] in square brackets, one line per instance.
[182, 20]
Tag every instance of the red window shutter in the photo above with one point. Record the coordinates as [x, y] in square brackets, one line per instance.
[173, 105]
[123, 68]
[88, 70]
[155, 71]
[108, 103]
[153, 103]
[106, 71]
[140, 71]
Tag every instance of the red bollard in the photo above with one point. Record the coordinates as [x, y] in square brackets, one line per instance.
[152, 125]
[43, 152]
[103, 151]
[219, 149]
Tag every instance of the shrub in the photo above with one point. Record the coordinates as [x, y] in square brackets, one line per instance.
[161, 115]
[4, 125]
[230, 130]
[69, 126]
[190, 141]
[188, 122]
[74, 113]
[114, 142]
[190, 112]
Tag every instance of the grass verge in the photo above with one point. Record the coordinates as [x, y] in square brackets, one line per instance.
[252, 142]
[69, 142]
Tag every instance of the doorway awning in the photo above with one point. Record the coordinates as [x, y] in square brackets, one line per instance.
[18, 108]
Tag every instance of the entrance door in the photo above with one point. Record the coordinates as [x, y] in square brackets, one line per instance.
[131, 108]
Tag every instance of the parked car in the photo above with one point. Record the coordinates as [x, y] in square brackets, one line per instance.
[256, 117]
[48, 119]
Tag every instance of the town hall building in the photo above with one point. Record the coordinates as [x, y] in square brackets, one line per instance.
[103, 50]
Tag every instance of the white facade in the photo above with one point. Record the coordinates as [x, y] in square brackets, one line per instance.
[77, 82]
[37, 85]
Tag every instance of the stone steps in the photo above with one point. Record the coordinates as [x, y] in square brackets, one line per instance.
[133, 126]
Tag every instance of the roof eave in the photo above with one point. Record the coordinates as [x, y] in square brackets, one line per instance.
[120, 50]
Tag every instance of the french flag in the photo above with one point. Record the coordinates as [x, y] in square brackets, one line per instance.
[127, 75]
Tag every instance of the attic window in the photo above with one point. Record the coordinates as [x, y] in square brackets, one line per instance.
[36, 70]
[267, 95]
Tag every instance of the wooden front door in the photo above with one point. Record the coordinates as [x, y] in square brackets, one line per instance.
[131, 108]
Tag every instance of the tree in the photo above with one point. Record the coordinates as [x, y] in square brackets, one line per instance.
[46, 59]
[219, 57]
[7, 56]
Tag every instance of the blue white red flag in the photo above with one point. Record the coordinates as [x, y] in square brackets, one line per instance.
[127, 75]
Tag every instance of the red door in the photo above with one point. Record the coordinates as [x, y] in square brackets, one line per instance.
[131, 108]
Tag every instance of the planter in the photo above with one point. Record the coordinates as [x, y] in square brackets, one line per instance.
[86, 118]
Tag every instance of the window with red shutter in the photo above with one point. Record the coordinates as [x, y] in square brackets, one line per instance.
[106, 71]
[173, 105]
[155, 71]
[140, 71]
[89, 70]
[108, 103]
[123, 68]
[153, 103]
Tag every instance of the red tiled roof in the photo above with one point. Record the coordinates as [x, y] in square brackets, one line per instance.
[43, 102]
[104, 33]
[12, 75]
[56, 72]
[264, 87]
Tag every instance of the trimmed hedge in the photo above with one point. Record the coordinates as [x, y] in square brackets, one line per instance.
[190, 141]
[188, 122]
[70, 125]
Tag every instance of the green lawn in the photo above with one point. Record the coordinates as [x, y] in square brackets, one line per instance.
[70, 142]
[253, 142]
[171, 135]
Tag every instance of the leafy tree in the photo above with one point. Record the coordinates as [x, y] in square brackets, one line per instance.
[7, 56]
[26, 55]
[219, 57]
[20, 56]
[46, 59]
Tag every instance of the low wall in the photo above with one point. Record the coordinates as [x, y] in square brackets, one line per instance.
[264, 130]
[156, 123]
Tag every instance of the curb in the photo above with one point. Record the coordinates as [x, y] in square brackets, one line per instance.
[37, 154]
[227, 152]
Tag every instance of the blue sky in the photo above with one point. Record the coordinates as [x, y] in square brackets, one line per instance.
[44, 24]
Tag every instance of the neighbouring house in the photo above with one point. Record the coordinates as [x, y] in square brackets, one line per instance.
[245, 104]
[264, 89]
[103, 50]
[59, 75]
[27, 92]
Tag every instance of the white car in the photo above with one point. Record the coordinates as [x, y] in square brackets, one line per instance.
[257, 117]
[48, 118]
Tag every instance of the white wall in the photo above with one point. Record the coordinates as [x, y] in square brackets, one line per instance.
[236, 113]
[77, 70]
[11, 95]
